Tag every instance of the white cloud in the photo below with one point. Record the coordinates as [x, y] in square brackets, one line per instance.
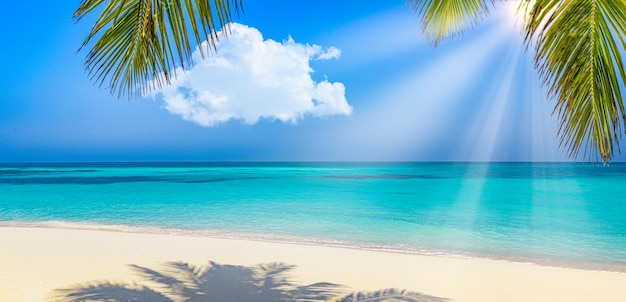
[329, 53]
[250, 78]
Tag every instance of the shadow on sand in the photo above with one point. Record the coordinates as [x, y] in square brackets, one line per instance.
[179, 281]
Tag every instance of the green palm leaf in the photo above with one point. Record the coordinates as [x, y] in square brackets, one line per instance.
[445, 19]
[579, 46]
[141, 42]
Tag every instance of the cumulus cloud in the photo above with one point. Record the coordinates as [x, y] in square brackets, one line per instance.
[249, 78]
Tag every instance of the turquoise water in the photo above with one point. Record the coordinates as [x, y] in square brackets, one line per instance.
[561, 214]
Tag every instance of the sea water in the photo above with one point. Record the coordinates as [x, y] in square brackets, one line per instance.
[549, 213]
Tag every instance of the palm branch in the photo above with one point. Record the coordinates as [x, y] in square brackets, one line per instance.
[444, 19]
[140, 43]
[578, 54]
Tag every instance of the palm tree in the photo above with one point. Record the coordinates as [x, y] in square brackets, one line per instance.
[577, 44]
[141, 42]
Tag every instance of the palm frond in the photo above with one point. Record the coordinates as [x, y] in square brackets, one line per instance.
[141, 42]
[445, 19]
[579, 45]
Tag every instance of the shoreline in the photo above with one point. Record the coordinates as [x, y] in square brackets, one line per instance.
[43, 264]
[297, 240]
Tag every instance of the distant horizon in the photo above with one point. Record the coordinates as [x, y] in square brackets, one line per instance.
[373, 162]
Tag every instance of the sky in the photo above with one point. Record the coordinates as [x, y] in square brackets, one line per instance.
[293, 81]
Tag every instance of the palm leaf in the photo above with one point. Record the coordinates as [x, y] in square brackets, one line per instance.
[579, 46]
[445, 19]
[141, 42]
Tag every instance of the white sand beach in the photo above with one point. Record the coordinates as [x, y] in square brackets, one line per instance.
[46, 264]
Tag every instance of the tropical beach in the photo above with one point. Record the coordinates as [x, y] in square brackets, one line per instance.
[78, 265]
[234, 150]
[183, 231]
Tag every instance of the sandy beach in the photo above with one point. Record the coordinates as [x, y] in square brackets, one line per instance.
[45, 264]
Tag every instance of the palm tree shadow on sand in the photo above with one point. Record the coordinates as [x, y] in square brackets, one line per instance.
[179, 281]
[391, 295]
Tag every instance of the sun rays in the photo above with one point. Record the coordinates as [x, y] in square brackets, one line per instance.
[477, 99]
[511, 119]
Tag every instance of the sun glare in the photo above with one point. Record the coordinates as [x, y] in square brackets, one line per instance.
[516, 13]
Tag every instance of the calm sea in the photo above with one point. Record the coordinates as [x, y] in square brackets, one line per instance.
[553, 213]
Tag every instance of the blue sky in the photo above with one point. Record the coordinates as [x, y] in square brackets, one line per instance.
[361, 84]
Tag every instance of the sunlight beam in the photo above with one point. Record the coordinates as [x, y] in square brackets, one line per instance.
[486, 129]
[413, 108]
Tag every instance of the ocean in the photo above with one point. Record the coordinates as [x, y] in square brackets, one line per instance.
[562, 214]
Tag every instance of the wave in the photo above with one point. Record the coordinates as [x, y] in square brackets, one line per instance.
[287, 239]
